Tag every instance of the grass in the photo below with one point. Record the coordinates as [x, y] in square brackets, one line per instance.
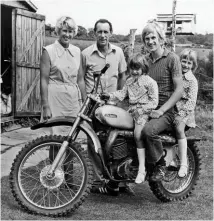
[143, 206]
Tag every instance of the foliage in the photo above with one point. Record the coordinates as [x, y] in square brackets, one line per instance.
[200, 39]
[209, 65]
[91, 33]
[81, 31]
[197, 39]
[49, 29]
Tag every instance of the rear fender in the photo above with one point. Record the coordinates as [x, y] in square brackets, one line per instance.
[69, 121]
[171, 149]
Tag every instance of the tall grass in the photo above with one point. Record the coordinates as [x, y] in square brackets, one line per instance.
[204, 116]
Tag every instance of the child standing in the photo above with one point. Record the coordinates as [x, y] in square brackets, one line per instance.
[142, 92]
[186, 105]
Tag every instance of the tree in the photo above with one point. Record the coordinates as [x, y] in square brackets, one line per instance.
[48, 29]
[90, 33]
[82, 32]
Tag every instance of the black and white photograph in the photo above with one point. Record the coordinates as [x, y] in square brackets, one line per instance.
[107, 109]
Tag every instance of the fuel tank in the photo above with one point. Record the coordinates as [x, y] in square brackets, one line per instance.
[115, 117]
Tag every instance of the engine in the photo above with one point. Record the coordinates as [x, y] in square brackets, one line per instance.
[121, 149]
[123, 164]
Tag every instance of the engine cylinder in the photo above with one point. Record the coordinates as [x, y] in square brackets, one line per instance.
[119, 149]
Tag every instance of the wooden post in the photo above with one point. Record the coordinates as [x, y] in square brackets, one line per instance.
[173, 25]
[132, 40]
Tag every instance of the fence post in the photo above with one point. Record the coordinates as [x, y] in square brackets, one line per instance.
[173, 24]
[132, 40]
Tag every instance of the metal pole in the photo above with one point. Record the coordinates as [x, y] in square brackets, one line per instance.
[173, 24]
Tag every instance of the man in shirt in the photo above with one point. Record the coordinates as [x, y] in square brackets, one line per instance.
[94, 58]
[165, 69]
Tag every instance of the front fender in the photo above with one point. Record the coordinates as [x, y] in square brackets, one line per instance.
[69, 121]
[55, 121]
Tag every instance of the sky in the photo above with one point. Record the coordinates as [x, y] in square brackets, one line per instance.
[126, 14]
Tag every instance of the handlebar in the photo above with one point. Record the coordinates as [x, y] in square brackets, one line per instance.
[105, 68]
[96, 75]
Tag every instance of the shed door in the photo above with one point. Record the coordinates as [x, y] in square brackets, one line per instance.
[29, 40]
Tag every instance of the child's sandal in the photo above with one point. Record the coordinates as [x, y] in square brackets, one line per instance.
[183, 171]
[141, 177]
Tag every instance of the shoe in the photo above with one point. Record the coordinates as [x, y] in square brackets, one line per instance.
[141, 177]
[159, 173]
[183, 171]
[126, 190]
[105, 189]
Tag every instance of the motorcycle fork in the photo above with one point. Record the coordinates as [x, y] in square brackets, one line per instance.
[71, 136]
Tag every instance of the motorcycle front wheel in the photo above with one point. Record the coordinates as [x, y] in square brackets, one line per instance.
[59, 195]
[172, 187]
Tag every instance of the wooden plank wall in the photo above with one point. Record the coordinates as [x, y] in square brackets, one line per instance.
[28, 63]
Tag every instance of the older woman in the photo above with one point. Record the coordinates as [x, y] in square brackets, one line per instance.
[60, 62]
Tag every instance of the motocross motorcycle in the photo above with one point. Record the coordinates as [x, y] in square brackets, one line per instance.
[52, 175]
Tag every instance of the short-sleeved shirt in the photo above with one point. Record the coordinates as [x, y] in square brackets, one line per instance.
[142, 94]
[162, 71]
[187, 103]
[92, 56]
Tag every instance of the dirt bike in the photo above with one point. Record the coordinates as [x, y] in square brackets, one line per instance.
[52, 175]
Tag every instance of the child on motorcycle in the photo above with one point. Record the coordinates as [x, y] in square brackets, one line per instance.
[186, 105]
[142, 92]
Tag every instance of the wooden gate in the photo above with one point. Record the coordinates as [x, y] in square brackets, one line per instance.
[29, 39]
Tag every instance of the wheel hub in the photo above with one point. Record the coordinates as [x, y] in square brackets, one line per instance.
[51, 182]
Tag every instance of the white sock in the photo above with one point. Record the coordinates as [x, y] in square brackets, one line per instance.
[182, 144]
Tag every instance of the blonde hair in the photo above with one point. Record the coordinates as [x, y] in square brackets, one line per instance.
[138, 61]
[68, 21]
[190, 55]
[151, 27]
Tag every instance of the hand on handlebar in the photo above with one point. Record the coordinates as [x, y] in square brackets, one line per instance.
[105, 96]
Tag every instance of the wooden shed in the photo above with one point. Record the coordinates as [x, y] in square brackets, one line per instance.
[22, 39]
[185, 23]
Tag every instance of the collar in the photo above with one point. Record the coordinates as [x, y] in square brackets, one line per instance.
[131, 80]
[111, 48]
[60, 49]
[165, 53]
[188, 75]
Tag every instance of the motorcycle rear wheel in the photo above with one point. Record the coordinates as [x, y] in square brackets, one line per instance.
[174, 188]
[59, 195]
